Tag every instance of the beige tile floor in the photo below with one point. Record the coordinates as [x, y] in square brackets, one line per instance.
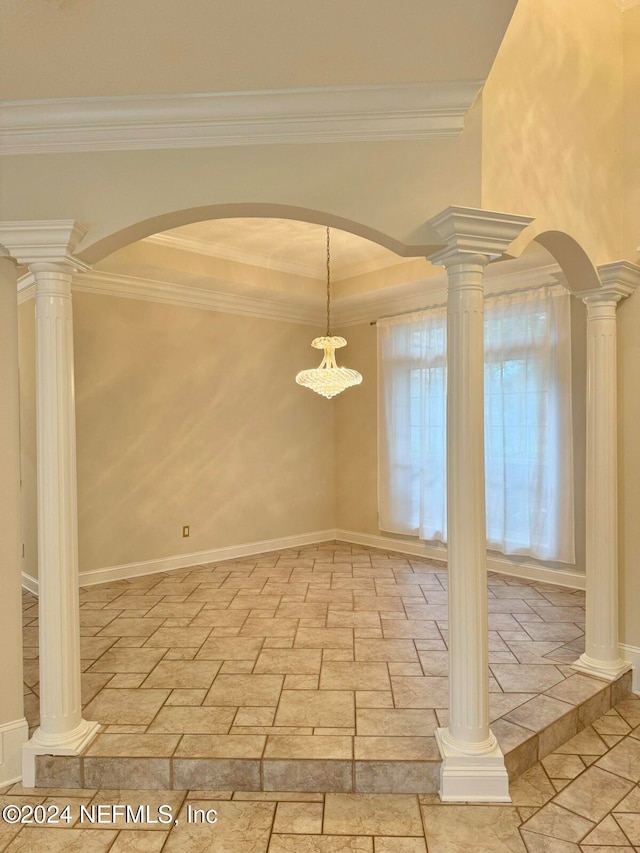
[325, 665]
[584, 797]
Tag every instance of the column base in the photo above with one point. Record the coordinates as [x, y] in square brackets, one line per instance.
[69, 743]
[477, 778]
[607, 670]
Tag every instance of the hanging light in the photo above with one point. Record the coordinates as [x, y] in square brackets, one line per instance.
[328, 379]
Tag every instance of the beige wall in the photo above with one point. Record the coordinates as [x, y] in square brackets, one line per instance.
[631, 20]
[192, 417]
[629, 352]
[552, 122]
[356, 418]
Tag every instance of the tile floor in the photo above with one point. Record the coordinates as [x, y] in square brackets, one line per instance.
[583, 797]
[323, 668]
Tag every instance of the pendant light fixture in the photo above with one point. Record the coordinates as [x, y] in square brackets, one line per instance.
[328, 379]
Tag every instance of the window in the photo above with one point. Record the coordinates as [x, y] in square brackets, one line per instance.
[528, 431]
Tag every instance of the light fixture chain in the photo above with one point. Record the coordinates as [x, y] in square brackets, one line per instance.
[328, 284]
[328, 379]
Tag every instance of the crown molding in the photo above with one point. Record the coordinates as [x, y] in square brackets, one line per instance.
[432, 292]
[317, 272]
[231, 253]
[348, 311]
[327, 114]
[169, 293]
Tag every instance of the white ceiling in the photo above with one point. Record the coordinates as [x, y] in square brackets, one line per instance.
[281, 244]
[85, 48]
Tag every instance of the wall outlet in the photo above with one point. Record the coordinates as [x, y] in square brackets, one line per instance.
[185, 531]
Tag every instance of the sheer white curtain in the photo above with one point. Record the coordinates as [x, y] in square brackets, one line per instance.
[412, 364]
[528, 424]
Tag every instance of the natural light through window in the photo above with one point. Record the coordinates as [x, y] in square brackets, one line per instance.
[528, 424]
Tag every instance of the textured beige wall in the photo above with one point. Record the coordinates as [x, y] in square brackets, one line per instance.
[356, 418]
[28, 448]
[552, 121]
[629, 468]
[631, 20]
[191, 417]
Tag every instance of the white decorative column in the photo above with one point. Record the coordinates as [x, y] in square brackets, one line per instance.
[14, 730]
[47, 248]
[473, 767]
[602, 656]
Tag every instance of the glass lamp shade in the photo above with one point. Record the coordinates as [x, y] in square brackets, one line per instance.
[328, 379]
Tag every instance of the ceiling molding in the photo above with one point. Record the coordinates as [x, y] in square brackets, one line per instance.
[317, 272]
[427, 293]
[182, 296]
[348, 311]
[333, 114]
[231, 253]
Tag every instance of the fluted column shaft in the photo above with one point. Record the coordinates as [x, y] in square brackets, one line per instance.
[60, 707]
[466, 526]
[62, 729]
[602, 652]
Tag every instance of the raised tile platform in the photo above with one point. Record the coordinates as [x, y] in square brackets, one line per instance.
[319, 669]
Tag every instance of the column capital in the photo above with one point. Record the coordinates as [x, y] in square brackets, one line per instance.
[44, 241]
[619, 279]
[473, 236]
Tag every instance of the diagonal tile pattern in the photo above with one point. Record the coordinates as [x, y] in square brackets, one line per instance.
[596, 811]
[297, 646]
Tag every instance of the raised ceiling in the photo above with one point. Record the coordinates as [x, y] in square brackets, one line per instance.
[84, 48]
[280, 244]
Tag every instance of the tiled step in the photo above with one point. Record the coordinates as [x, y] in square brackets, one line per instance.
[238, 774]
[554, 726]
[543, 724]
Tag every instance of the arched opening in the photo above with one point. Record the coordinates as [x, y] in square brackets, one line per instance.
[97, 251]
[182, 414]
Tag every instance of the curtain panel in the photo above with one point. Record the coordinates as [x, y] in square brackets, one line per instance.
[528, 424]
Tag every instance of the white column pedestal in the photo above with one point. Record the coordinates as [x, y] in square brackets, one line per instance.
[602, 657]
[62, 729]
[480, 778]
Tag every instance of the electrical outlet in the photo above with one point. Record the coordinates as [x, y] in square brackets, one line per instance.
[185, 531]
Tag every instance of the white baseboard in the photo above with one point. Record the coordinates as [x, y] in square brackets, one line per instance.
[215, 555]
[30, 583]
[632, 654]
[503, 565]
[12, 736]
